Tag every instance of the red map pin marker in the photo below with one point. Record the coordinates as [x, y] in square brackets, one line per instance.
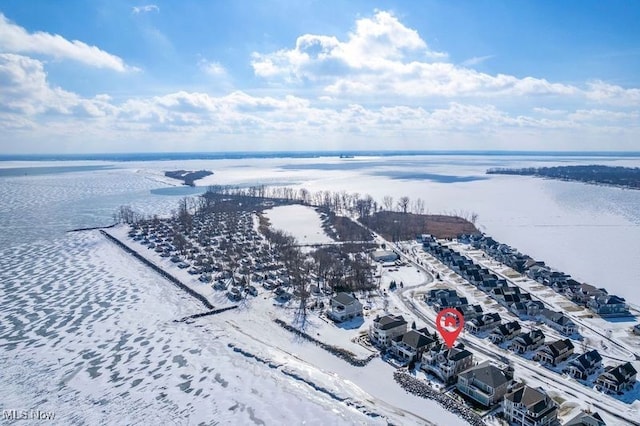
[449, 323]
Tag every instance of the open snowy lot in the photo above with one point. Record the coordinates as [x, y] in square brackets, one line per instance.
[302, 222]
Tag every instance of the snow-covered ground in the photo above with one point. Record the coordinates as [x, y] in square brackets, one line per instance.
[300, 221]
[89, 333]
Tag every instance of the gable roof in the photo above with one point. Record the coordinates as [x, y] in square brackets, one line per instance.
[559, 346]
[388, 322]
[414, 339]
[586, 360]
[586, 419]
[535, 400]
[488, 374]
[344, 298]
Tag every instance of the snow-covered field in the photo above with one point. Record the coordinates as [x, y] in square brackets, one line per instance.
[89, 333]
[300, 221]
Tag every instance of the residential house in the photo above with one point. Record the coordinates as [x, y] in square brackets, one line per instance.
[505, 332]
[343, 307]
[527, 341]
[585, 365]
[617, 379]
[482, 323]
[411, 344]
[446, 363]
[636, 329]
[609, 306]
[384, 329]
[445, 298]
[584, 293]
[558, 321]
[527, 406]
[585, 418]
[555, 352]
[485, 383]
[530, 308]
[469, 312]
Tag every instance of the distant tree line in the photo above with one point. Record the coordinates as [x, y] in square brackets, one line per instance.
[628, 177]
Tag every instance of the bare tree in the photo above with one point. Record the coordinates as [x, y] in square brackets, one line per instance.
[403, 203]
[387, 202]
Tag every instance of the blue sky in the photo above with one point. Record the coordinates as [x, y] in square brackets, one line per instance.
[120, 76]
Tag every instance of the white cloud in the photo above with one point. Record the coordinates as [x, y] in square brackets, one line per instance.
[384, 57]
[15, 39]
[145, 8]
[212, 68]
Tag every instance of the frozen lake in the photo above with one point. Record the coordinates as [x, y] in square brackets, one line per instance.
[85, 331]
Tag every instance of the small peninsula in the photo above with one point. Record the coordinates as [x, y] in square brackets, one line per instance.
[186, 176]
[624, 177]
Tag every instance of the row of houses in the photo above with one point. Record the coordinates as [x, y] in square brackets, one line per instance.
[596, 299]
[512, 298]
[488, 385]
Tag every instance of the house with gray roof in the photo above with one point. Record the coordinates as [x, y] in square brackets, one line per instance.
[384, 329]
[505, 332]
[555, 352]
[527, 406]
[482, 323]
[609, 306]
[343, 307]
[446, 363]
[485, 383]
[527, 341]
[412, 344]
[558, 321]
[585, 418]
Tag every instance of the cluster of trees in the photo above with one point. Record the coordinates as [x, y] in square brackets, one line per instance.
[619, 176]
[339, 202]
[339, 270]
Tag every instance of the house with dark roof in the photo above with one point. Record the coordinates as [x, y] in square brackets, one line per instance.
[443, 298]
[584, 365]
[527, 341]
[609, 306]
[411, 344]
[555, 352]
[558, 321]
[343, 307]
[384, 329]
[505, 332]
[584, 293]
[446, 363]
[526, 309]
[617, 379]
[585, 418]
[527, 406]
[469, 311]
[482, 323]
[485, 383]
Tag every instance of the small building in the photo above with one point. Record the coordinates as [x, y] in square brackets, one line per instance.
[505, 332]
[617, 379]
[446, 363]
[585, 365]
[384, 329]
[527, 406]
[482, 323]
[343, 307]
[527, 341]
[485, 383]
[411, 345]
[558, 321]
[553, 353]
[585, 418]
[384, 256]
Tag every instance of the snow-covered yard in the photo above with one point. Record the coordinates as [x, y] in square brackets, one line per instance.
[302, 222]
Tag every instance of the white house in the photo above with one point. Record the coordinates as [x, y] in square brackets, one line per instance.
[343, 307]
